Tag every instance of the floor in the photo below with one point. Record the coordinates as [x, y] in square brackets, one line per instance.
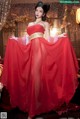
[17, 114]
[71, 111]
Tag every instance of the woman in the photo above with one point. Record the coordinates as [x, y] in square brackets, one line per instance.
[40, 76]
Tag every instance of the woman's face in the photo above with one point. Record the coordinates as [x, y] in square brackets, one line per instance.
[39, 12]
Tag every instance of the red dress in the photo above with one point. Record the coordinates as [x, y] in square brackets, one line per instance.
[40, 76]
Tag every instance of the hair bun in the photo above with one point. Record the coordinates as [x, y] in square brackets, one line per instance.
[46, 7]
[39, 4]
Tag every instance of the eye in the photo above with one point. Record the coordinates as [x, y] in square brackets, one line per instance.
[41, 11]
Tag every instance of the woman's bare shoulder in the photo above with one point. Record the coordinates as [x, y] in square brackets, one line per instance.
[30, 24]
[46, 24]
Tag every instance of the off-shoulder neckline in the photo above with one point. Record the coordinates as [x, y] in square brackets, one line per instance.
[35, 25]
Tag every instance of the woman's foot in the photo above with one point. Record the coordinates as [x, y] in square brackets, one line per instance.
[1, 86]
[29, 117]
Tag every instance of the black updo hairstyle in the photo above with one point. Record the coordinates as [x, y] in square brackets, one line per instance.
[45, 8]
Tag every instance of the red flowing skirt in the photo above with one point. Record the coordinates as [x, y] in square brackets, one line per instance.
[40, 76]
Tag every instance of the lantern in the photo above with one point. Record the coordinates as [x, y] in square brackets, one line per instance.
[78, 16]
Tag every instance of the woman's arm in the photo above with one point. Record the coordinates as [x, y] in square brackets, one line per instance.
[47, 31]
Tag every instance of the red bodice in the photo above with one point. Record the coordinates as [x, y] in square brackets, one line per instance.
[35, 28]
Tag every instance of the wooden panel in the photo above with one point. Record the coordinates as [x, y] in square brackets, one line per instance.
[31, 1]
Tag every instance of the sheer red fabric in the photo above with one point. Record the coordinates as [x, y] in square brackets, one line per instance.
[40, 76]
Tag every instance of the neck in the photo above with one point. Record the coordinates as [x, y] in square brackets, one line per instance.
[38, 20]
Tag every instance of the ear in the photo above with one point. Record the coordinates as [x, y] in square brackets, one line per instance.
[43, 14]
